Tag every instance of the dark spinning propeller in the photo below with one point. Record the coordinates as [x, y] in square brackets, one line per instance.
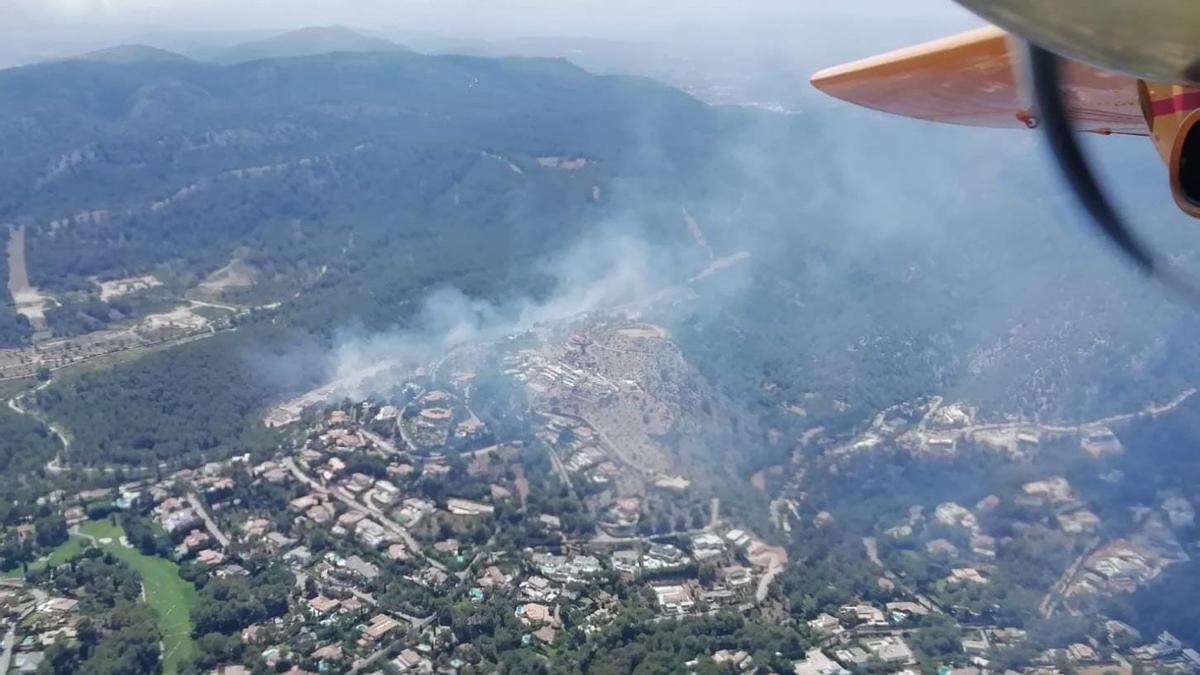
[1045, 69]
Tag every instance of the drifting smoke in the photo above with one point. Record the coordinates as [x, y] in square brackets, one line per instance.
[956, 248]
[603, 270]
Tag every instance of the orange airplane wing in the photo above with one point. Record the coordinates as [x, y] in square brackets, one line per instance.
[973, 79]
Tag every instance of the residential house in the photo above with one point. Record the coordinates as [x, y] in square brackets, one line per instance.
[379, 627]
[852, 657]
[738, 538]
[902, 610]
[826, 625]
[256, 527]
[740, 659]
[210, 557]
[966, 575]
[544, 635]
[330, 652]
[359, 482]
[532, 613]
[195, 541]
[816, 663]
[361, 567]
[298, 557]
[493, 578]
[320, 514]
[370, 533]
[306, 502]
[890, 649]
[626, 562]
[407, 660]
[735, 576]
[182, 520]
[280, 541]
[352, 606]
[674, 598]
[350, 519]
[322, 606]
[466, 507]
[538, 589]
[668, 554]
[384, 494]
[864, 613]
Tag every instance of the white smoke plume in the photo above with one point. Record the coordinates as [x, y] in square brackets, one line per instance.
[601, 271]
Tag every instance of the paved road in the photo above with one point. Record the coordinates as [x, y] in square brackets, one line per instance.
[215, 305]
[14, 403]
[404, 437]
[1054, 596]
[764, 583]
[10, 640]
[413, 546]
[209, 523]
[1150, 410]
[561, 470]
[375, 438]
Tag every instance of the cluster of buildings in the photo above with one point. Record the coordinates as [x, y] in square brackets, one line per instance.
[579, 448]
[1118, 568]
[386, 522]
[1169, 654]
[43, 619]
[951, 515]
[871, 636]
[862, 634]
[541, 374]
[378, 497]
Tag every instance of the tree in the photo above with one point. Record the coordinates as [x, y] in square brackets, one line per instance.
[51, 531]
[937, 638]
[61, 659]
[88, 635]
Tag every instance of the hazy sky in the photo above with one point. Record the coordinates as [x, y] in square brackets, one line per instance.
[790, 20]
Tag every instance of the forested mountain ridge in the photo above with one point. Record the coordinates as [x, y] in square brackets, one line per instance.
[117, 167]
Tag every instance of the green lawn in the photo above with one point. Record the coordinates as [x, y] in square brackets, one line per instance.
[170, 596]
[102, 529]
[65, 551]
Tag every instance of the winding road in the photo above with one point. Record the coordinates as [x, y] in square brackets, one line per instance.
[14, 404]
[872, 435]
[198, 506]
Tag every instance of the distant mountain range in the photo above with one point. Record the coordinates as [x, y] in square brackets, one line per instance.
[312, 41]
[307, 42]
[133, 54]
[455, 162]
